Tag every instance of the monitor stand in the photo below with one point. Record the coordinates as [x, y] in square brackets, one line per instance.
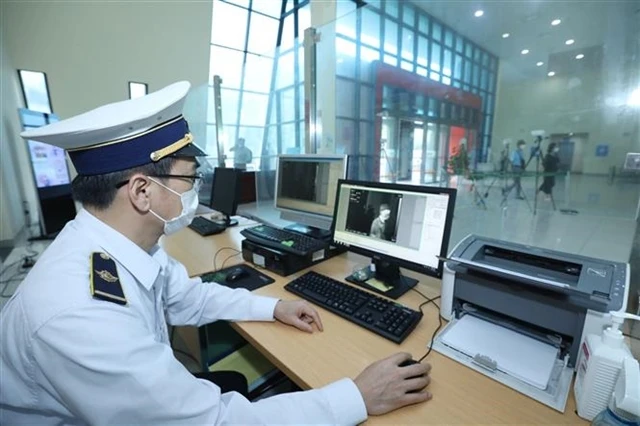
[228, 222]
[310, 231]
[386, 279]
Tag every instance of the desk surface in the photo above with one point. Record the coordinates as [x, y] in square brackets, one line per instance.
[460, 395]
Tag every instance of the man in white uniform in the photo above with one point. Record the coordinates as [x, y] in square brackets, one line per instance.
[84, 339]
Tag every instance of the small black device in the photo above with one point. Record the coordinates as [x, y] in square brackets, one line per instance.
[225, 192]
[236, 274]
[206, 227]
[384, 317]
[397, 226]
[284, 240]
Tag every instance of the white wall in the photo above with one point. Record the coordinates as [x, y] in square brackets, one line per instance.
[91, 50]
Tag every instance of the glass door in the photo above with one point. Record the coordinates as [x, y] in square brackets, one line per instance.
[430, 154]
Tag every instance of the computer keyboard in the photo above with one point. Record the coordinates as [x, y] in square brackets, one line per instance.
[384, 317]
[284, 240]
[206, 227]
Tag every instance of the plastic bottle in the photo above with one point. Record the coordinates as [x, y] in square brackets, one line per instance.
[598, 367]
[624, 406]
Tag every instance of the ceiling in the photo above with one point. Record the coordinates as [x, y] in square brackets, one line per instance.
[599, 27]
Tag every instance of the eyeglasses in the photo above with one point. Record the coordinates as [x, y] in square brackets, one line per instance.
[196, 180]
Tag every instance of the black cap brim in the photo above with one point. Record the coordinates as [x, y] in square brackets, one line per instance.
[190, 150]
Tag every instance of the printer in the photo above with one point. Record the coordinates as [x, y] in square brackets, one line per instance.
[519, 314]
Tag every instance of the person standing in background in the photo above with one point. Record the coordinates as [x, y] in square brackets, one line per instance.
[243, 155]
[551, 164]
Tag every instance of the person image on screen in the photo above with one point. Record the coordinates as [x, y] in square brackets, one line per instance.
[379, 223]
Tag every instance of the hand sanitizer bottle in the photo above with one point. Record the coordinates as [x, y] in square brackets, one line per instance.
[624, 406]
[599, 364]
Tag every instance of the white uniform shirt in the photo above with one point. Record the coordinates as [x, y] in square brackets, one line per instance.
[70, 359]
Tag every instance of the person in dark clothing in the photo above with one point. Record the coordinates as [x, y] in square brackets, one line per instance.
[517, 167]
[550, 163]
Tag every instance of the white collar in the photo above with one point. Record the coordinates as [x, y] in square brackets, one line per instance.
[144, 266]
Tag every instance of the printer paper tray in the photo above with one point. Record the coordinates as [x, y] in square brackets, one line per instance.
[555, 395]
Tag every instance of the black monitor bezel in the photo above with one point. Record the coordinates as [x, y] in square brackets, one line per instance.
[237, 189]
[423, 269]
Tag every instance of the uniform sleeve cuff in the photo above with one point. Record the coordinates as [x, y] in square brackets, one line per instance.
[346, 402]
[263, 308]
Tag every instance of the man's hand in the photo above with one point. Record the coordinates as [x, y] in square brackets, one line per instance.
[384, 385]
[297, 313]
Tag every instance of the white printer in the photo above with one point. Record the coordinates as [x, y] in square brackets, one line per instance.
[519, 314]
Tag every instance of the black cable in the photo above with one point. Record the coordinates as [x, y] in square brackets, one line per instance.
[426, 302]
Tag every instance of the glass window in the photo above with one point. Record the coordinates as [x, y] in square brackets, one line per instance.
[457, 84]
[211, 109]
[492, 77]
[346, 22]
[345, 133]
[408, 14]
[467, 72]
[289, 5]
[301, 103]
[469, 50]
[300, 64]
[493, 63]
[435, 57]
[288, 134]
[483, 79]
[211, 147]
[390, 37]
[448, 38]
[253, 140]
[254, 109]
[229, 99]
[284, 76]
[304, 20]
[422, 71]
[263, 33]
[366, 103]
[406, 66]
[243, 3]
[477, 55]
[446, 80]
[287, 33]
[457, 67]
[476, 75]
[407, 44]
[437, 31]
[369, 54]
[257, 73]
[287, 105]
[268, 7]
[434, 76]
[423, 24]
[485, 59]
[137, 90]
[273, 112]
[370, 28]
[366, 133]
[446, 62]
[227, 64]
[434, 107]
[391, 7]
[459, 44]
[391, 60]
[345, 57]
[35, 91]
[229, 35]
[345, 98]
[422, 51]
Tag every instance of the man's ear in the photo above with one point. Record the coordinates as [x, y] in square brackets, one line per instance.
[138, 192]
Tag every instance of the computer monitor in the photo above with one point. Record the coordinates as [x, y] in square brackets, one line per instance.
[397, 226]
[306, 191]
[225, 192]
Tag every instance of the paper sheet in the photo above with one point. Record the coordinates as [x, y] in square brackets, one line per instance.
[522, 357]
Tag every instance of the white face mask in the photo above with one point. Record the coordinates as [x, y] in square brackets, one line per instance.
[189, 200]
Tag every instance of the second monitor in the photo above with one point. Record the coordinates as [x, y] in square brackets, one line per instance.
[306, 191]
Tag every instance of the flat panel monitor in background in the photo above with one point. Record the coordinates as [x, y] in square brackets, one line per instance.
[306, 190]
[225, 192]
[397, 226]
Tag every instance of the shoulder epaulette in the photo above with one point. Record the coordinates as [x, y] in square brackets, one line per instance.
[105, 283]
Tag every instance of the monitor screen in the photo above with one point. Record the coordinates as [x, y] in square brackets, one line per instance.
[225, 190]
[406, 224]
[306, 186]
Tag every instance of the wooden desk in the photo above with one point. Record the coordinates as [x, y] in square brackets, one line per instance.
[461, 395]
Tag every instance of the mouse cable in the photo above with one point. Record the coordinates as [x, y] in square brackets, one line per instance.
[229, 257]
[426, 302]
[215, 256]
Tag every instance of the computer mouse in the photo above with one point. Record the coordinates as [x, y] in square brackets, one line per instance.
[236, 274]
[407, 363]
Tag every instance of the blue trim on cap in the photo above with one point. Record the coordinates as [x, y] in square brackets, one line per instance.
[131, 153]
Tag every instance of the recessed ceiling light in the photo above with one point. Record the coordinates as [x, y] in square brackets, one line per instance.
[579, 56]
[569, 42]
[539, 64]
[525, 51]
[505, 35]
[555, 22]
[551, 73]
[478, 13]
